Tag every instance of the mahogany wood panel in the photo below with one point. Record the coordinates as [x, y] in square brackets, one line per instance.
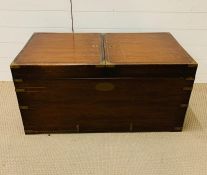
[56, 105]
[145, 48]
[48, 72]
[55, 91]
[61, 48]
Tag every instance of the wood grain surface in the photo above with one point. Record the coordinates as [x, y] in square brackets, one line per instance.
[148, 102]
[61, 48]
[145, 48]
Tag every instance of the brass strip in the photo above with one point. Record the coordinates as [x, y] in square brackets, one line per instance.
[18, 80]
[14, 66]
[184, 105]
[192, 65]
[27, 131]
[23, 107]
[178, 128]
[77, 127]
[188, 88]
[130, 126]
[30, 87]
[20, 90]
[190, 78]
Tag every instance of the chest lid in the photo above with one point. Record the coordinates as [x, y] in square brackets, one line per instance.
[145, 48]
[60, 49]
[85, 55]
[148, 55]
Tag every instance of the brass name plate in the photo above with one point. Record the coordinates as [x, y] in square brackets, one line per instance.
[105, 86]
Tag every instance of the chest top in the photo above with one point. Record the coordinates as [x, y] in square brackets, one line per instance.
[61, 48]
[95, 49]
[145, 48]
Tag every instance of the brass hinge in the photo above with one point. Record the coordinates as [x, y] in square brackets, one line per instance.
[108, 64]
[23, 107]
[20, 90]
[102, 64]
[105, 63]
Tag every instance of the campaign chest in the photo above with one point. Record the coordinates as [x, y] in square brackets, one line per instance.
[93, 82]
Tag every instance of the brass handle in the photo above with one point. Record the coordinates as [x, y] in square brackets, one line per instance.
[105, 86]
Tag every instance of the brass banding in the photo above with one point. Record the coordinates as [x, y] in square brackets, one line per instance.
[187, 88]
[23, 107]
[20, 90]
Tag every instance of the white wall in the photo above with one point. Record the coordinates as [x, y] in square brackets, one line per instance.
[185, 19]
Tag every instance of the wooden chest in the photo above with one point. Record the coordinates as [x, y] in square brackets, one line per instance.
[103, 83]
